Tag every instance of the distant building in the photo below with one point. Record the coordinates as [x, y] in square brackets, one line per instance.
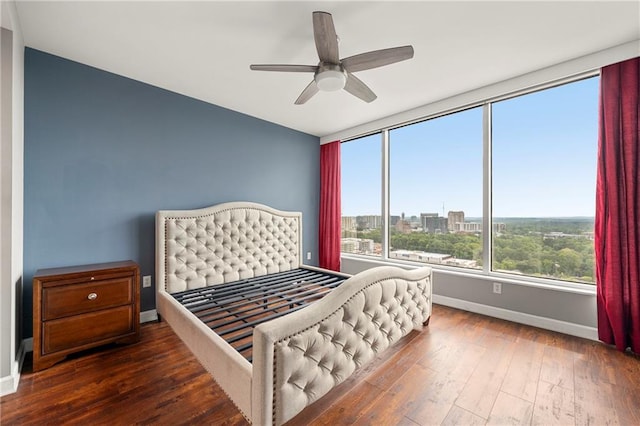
[419, 256]
[476, 227]
[362, 222]
[403, 227]
[454, 218]
[432, 223]
[471, 227]
[349, 223]
[357, 245]
[369, 221]
[348, 245]
[465, 263]
[426, 257]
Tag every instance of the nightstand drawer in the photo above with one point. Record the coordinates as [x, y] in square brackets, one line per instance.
[76, 299]
[76, 331]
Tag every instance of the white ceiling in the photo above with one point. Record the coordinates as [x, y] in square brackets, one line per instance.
[203, 49]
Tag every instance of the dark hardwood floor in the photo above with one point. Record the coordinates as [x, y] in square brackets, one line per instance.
[463, 369]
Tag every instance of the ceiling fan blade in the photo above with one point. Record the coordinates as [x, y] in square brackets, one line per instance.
[326, 38]
[284, 68]
[307, 93]
[377, 58]
[358, 89]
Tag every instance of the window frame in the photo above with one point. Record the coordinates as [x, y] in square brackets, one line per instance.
[486, 271]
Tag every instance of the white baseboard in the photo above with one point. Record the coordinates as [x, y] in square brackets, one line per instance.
[9, 384]
[148, 316]
[564, 327]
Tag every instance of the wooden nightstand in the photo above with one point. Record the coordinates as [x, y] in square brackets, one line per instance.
[80, 307]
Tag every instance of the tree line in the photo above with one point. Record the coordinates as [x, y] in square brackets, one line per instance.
[522, 248]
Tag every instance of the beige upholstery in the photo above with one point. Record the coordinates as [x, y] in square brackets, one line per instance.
[299, 357]
[305, 354]
[229, 369]
[226, 243]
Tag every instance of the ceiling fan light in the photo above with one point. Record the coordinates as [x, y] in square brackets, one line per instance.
[330, 80]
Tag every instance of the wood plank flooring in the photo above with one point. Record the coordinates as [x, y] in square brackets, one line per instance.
[463, 369]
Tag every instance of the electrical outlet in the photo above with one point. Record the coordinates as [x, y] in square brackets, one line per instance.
[497, 288]
[308, 255]
[146, 281]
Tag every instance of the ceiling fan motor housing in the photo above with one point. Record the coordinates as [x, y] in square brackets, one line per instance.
[330, 77]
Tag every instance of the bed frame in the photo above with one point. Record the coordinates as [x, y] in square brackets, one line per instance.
[234, 309]
[231, 264]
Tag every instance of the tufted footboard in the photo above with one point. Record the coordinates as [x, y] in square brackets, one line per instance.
[300, 357]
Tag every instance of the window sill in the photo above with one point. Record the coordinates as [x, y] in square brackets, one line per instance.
[547, 284]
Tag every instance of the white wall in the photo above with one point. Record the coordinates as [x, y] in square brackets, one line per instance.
[11, 190]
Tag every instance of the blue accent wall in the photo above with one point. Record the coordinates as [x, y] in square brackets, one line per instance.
[103, 153]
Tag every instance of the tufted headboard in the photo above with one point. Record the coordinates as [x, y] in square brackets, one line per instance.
[224, 243]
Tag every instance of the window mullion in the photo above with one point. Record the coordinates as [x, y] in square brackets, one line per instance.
[386, 220]
[487, 218]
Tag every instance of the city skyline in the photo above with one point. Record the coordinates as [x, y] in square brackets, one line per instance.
[477, 218]
[544, 160]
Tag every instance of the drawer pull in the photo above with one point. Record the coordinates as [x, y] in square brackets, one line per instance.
[92, 296]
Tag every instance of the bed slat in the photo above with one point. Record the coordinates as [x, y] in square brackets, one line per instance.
[233, 309]
[225, 298]
[222, 313]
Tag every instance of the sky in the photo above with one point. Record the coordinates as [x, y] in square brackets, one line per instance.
[544, 147]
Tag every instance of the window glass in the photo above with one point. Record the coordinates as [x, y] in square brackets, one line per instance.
[543, 182]
[543, 155]
[361, 175]
[435, 190]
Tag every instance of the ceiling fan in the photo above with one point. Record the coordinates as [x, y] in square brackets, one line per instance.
[333, 73]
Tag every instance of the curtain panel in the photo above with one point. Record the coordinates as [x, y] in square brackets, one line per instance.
[617, 220]
[330, 220]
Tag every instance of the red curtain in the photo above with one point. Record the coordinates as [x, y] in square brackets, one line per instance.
[617, 221]
[330, 221]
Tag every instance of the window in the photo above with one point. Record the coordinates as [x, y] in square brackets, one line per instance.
[435, 190]
[505, 187]
[361, 195]
[543, 175]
